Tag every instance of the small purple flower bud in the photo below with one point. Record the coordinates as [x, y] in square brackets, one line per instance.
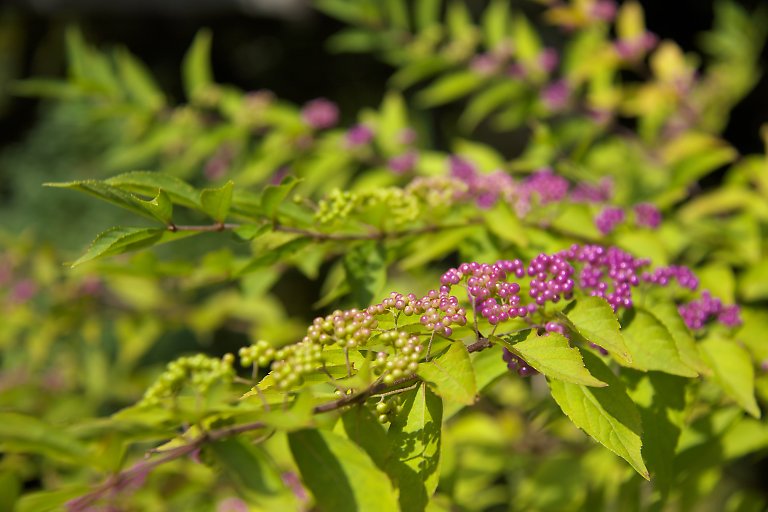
[484, 64]
[23, 291]
[603, 10]
[320, 113]
[607, 220]
[403, 163]
[647, 215]
[556, 95]
[548, 59]
[359, 135]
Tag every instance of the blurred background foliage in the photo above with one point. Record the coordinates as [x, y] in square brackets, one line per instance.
[64, 333]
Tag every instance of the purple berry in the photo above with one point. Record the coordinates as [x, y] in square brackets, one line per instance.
[320, 113]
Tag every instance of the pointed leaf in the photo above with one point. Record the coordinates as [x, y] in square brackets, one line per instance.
[216, 201]
[147, 183]
[553, 356]
[196, 67]
[449, 88]
[138, 82]
[276, 194]
[667, 314]
[415, 438]
[607, 414]
[119, 240]
[594, 319]
[340, 475]
[733, 371]
[160, 207]
[652, 345]
[111, 194]
[451, 375]
[366, 270]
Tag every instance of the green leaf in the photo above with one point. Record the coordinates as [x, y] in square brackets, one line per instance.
[482, 104]
[553, 356]
[415, 439]
[397, 14]
[20, 433]
[505, 224]
[451, 374]
[118, 240]
[340, 475]
[593, 318]
[753, 283]
[196, 68]
[147, 183]
[449, 88]
[276, 194]
[113, 195]
[733, 371]
[427, 13]
[526, 42]
[495, 21]
[138, 82]
[652, 345]
[607, 414]
[430, 247]
[366, 269]
[45, 501]
[217, 201]
[274, 255]
[253, 472]
[667, 314]
[299, 416]
[160, 207]
[661, 401]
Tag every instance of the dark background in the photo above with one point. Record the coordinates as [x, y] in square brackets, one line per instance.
[276, 45]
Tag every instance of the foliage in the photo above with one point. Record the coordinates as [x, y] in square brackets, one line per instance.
[587, 282]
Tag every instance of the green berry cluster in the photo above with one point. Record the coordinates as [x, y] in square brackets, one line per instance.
[260, 353]
[292, 362]
[348, 329]
[400, 206]
[403, 362]
[437, 191]
[387, 409]
[198, 371]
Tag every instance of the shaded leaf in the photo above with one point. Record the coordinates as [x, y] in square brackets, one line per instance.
[340, 474]
[652, 345]
[366, 269]
[216, 202]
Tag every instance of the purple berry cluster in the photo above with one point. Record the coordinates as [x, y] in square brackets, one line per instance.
[647, 215]
[663, 275]
[320, 114]
[609, 273]
[552, 278]
[485, 189]
[607, 220]
[548, 186]
[438, 311]
[697, 312]
[518, 364]
[496, 299]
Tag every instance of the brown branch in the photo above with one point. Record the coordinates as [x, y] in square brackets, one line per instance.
[135, 474]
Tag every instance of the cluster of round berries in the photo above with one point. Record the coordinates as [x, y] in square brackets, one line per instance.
[199, 370]
[437, 191]
[292, 362]
[348, 329]
[260, 353]
[609, 273]
[518, 364]
[549, 289]
[663, 275]
[387, 409]
[401, 206]
[438, 310]
[607, 220]
[697, 312]
[405, 360]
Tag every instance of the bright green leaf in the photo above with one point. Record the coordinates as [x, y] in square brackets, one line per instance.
[196, 67]
[276, 194]
[553, 356]
[217, 201]
[451, 375]
[607, 414]
[594, 319]
[147, 183]
[448, 88]
[667, 314]
[733, 371]
[652, 345]
[366, 270]
[26, 434]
